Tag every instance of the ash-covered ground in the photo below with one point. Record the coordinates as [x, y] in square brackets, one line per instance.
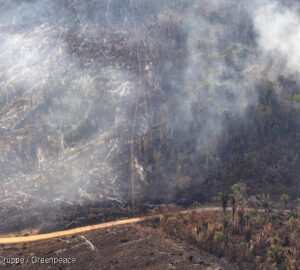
[67, 82]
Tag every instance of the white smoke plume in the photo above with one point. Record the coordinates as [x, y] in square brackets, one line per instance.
[278, 29]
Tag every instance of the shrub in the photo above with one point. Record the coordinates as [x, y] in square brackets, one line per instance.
[268, 240]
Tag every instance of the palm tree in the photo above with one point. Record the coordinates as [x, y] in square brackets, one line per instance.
[264, 201]
[233, 205]
[223, 198]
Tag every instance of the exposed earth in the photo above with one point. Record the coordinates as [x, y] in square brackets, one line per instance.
[123, 247]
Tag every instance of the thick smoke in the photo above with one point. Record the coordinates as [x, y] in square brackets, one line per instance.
[83, 81]
[232, 49]
[60, 105]
[277, 26]
[220, 56]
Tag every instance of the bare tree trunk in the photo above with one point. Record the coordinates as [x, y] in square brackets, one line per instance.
[133, 129]
[132, 157]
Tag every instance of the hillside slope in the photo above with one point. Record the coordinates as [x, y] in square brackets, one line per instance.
[144, 102]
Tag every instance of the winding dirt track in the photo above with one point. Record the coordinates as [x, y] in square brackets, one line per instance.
[32, 238]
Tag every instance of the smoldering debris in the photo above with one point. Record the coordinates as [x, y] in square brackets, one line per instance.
[56, 136]
[109, 100]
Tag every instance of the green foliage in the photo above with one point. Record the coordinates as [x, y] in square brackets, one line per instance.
[219, 236]
[296, 98]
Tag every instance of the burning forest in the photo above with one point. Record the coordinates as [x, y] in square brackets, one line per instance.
[112, 107]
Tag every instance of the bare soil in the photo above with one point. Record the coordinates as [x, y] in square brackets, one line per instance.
[123, 247]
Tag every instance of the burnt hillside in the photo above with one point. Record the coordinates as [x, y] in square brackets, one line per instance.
[145, 102]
